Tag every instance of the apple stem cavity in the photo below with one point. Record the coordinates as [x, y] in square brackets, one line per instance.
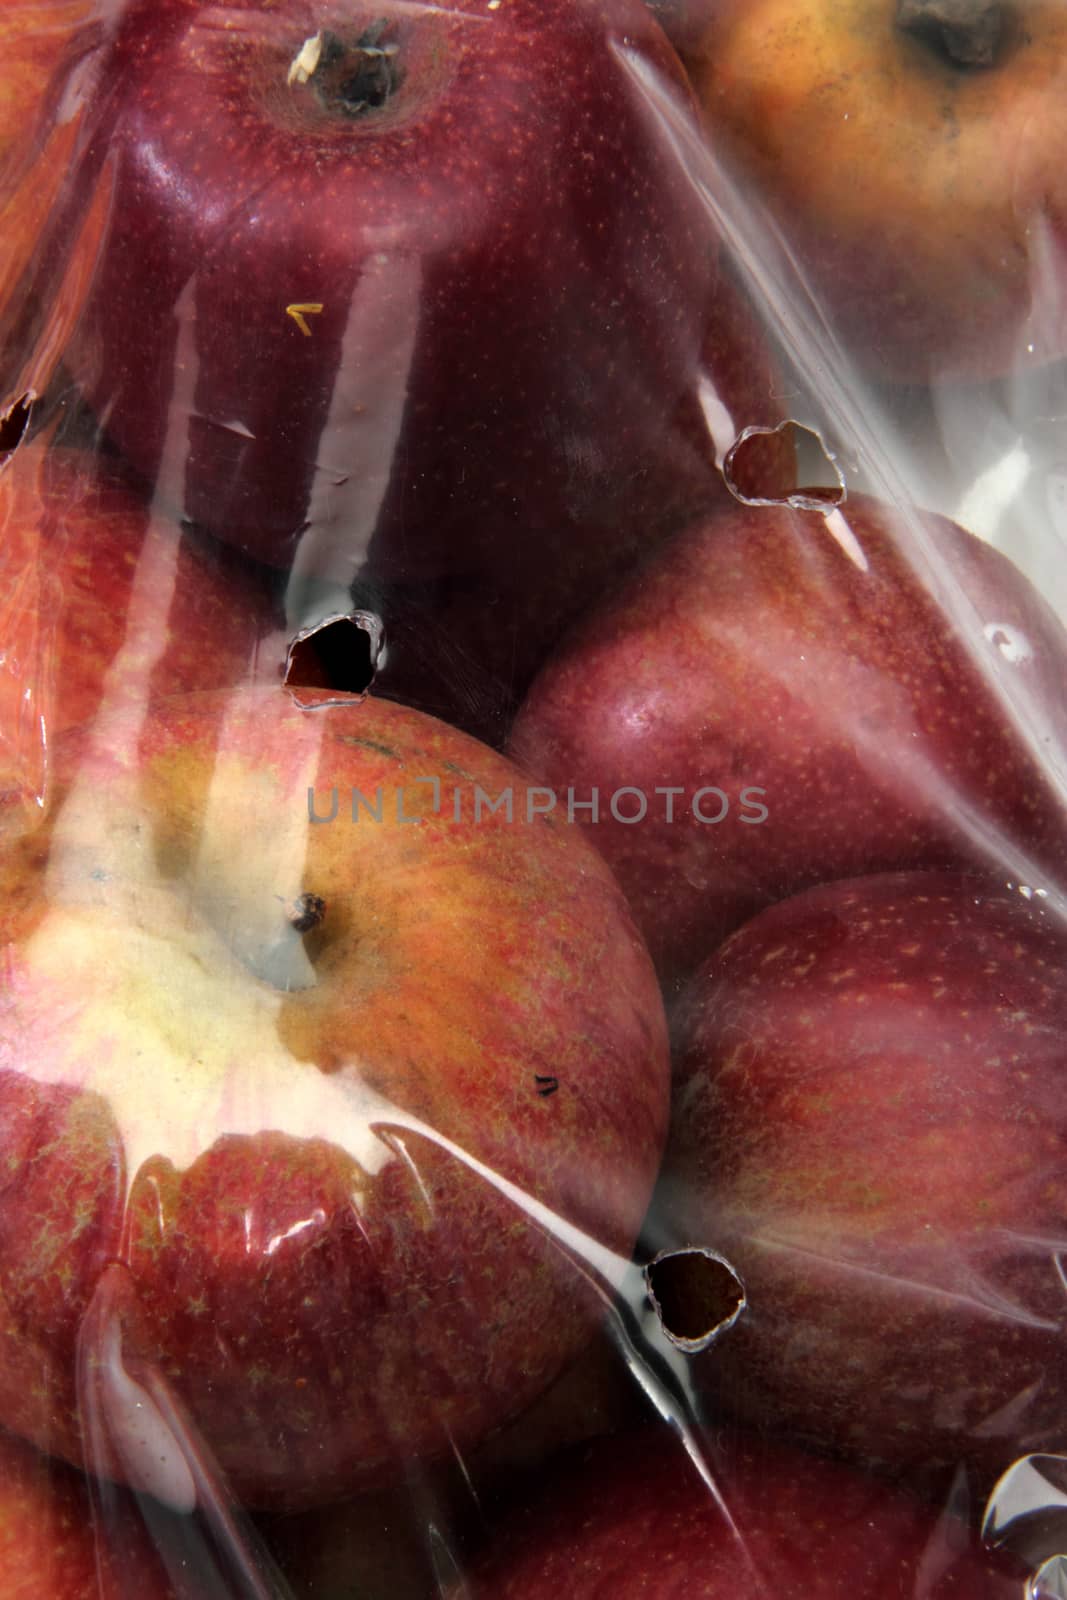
[696, 1295]
[306, 912]
[351, 79]
[967, 33]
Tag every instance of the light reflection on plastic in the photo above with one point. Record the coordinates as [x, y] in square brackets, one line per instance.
[1050, 1581]
[1013, 645]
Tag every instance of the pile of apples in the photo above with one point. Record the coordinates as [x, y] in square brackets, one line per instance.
[517, 917]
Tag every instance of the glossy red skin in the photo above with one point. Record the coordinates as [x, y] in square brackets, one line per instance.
[633, 1518]
[78, 630]
[316, 1344]
[550, 273]
[872, 1076]
[50, 1545]
[755, 651]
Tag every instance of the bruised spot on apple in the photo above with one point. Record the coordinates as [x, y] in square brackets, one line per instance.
[869, 1123]
[284, 1073]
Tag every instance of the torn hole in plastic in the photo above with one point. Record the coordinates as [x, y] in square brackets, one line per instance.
[818, 466]
[696, 1295]
[343, 651]
[14, 422]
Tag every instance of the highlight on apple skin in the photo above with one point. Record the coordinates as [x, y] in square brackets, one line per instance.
[337, 1132]
[420, 302]
[827, 692]
[104, 601]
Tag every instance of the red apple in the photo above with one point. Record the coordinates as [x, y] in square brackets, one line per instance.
[343, 1129]
[870, 1127]
[832, 691]
[51, 1546]
[52, 52]
[105, 602]
[35, 35]
[405, 1543]
[909, 152]
[389, 1545]
[636, 1520]
[416, 299]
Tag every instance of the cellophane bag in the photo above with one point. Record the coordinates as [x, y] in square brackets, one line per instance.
[533, 746]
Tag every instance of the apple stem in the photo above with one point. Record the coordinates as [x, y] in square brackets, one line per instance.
[306, 912]
[968, 33]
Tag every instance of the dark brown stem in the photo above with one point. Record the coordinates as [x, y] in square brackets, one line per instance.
[306, 912]
[967, 33]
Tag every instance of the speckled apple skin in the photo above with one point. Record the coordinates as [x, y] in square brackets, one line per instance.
[870, 1123]
[325, 1302]
[632, 1518]
[869, 673]
[103, 601]
[50, 1545]
[496, 407]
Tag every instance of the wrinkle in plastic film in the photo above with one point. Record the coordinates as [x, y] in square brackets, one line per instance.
[336, 1074]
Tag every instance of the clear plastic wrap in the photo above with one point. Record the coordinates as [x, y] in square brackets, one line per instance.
[533, 865]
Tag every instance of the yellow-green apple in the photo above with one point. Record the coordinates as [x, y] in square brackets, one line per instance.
[333, 1078]
[638, 1520]
[414, 299]
[103, 601]
[908, 150]
[871, 1129]
[798, 694]
[51, 1546]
